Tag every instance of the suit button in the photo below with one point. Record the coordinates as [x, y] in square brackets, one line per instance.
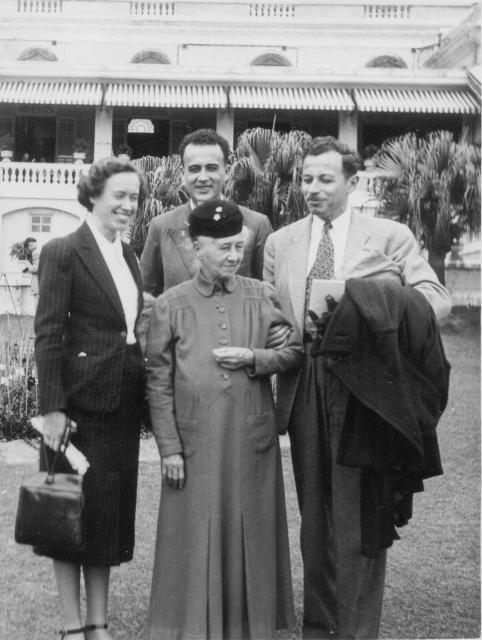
[225, 376]
[223, 341]
[123, 334]
[223, 325]
[221, 309]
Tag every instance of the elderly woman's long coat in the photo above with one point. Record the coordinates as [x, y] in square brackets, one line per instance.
[222, 565]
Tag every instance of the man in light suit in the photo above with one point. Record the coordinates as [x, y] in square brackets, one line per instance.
[168, 257]
[343, 590]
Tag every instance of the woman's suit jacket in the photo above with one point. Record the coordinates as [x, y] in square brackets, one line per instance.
[375, 248]
[80, 325]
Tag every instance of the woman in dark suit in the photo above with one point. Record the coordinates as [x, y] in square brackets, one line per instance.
[91, 370]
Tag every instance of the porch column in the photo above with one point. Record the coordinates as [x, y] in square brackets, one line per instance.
[103, 132]
[225, 125]
[348, 128]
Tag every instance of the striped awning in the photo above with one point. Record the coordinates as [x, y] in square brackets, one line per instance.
[417, 100]
[141, 94]
[303, 98]
[50, 92]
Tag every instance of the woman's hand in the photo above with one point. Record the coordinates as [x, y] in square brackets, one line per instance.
[234, 357]
[172, 470]
[53, 428]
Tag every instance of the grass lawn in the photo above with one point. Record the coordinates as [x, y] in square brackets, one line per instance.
[432, 586]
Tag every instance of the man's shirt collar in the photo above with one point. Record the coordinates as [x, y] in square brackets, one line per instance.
[192, 204]
[340, 222]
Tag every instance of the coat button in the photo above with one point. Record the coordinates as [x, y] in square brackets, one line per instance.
[123, 334]
[221, 309]
[223, 325]
[225, 376]
[223, 341]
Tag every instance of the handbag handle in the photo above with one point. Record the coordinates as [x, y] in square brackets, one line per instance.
[50, 479]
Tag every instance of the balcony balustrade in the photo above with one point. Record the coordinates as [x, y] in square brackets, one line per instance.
[40, 180]
[59, 180]
[149, 9]
[272, 10]
[41, 7]
[386, 11]
[214, 11]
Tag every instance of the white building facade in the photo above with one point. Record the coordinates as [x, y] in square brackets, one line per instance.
[362, 71]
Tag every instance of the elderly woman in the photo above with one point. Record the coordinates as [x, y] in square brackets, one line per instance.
[221, 567]
[91, 369]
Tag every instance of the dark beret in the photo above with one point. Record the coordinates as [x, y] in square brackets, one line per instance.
[216, 219]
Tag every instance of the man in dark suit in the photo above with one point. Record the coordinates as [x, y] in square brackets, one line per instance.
[168, 257]
[343, 588]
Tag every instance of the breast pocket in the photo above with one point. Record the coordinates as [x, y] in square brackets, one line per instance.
[188, 431]
[261, 431]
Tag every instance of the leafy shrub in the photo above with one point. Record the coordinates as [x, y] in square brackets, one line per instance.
[18, 386]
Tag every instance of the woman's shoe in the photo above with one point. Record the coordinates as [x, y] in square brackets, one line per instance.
[70, 632]
[94, 627]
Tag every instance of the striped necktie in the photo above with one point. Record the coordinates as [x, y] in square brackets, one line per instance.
[323, 268]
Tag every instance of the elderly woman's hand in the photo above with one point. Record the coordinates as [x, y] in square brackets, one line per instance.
[53, 428]
[234, 357]
[172, 470]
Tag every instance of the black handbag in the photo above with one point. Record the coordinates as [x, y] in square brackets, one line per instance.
[50, 505]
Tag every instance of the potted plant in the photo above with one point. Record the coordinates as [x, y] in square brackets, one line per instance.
[7, 144]
[80, 149]
[19, 252]
[124, 152]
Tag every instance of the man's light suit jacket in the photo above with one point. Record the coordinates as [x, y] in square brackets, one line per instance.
[169, 259]
[375, 247]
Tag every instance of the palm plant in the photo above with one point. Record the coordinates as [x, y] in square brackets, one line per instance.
[435, 189]
[164, 192]
[265, 174]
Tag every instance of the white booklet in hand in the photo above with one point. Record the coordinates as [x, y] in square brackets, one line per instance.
[322, 288]
[75, 457]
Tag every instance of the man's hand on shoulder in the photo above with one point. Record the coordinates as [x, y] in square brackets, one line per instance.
[278, 336]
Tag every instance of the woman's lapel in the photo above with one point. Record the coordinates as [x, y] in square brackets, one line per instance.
[94, 262]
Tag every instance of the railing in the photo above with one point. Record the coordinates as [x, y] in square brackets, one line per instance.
[151, 9]
[44, 180]
[386, 11]
[367, 180]
[33, 173]
[365, 197]
[272, 10]
[40, 6]
[443, 14]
